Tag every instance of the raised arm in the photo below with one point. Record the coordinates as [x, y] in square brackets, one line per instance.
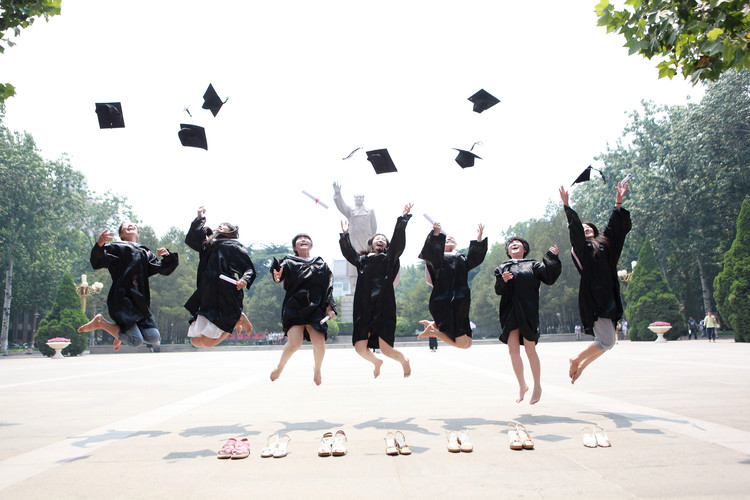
[196, 235]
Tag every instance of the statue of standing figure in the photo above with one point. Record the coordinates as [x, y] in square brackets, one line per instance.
[362, 225]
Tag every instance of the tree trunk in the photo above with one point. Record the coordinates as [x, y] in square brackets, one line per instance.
[705, 287]
[6, 305]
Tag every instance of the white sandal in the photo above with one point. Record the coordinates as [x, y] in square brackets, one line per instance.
[453, 445]
[281, 446]
[463, 440]
[338, 448]
[272, 442]
[326, 444]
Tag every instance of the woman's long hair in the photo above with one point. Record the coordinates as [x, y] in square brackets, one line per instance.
[598, 240]
[212, 236]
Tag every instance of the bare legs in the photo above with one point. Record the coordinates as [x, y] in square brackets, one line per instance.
[514, 349]
[462, 342]
[584, 358]
[203, 341]
[99, 323]
[361, 347]
[295, 336]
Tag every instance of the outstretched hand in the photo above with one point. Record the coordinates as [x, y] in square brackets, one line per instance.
[161, 252]
[345, 226]
[622, 188]
[106, 236]
[553, 250]
[407, 209]
[480, 231]
[336, 187]
[564, 196]
[201, 212]
[435, 228]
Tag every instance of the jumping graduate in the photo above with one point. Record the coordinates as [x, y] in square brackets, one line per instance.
[595, 256]
[216, 306]
[308, 302]
[518, 282]
[378, 269]
[448, 273]
[130, 264]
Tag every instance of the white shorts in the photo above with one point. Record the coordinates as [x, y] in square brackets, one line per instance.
[203, 327]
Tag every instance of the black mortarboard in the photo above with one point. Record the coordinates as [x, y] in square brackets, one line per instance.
[483, 100]
[212, 101]
[586, 175]
[110, 115]
[381, 161]
[465, 158]
[192, 136]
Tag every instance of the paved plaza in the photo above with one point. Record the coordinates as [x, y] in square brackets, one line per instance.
[148, 425]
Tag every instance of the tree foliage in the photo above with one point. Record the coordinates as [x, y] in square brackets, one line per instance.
[63, 321]
[650, 299]
[732, 285]
[700, 38]
[18, 14]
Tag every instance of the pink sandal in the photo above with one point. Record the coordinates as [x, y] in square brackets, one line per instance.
[241, 449]
[227, 449]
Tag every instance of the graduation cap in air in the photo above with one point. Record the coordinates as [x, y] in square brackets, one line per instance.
[381, 161]
[466, 158]
[212, 101]
[110, 115]
[192, 136]
[586, 175]
[483, 100]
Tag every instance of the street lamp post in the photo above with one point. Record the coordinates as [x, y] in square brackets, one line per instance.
[85, 290]
[626, 276]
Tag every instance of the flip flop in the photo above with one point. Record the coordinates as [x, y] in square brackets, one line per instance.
[587, 435]
[338, 448]
[391, 448]
[281, 446]
[326, 443]
[403, 448]
[514, 440]
[463, 440]
[453, 445]
[602, 440]
[241, 449]
[523, 435]
[272, 442]
[226, 450]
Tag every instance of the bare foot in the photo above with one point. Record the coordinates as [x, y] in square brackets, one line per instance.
[116, 345]
[243, 322]
[536, 395]
[276, 373]
[92, 325]
[429, 331]
[573, 367]
[576, 375]
[378, 364]
[521, 393]
[317, 378]
[407, 367]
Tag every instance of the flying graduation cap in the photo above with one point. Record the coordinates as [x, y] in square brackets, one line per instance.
[110, 115]
[381, 161]
[212, 101]
[483, 100]
[466, 158]
[192, 136]
[586, 175]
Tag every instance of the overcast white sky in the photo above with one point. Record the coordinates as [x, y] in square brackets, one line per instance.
[307, 83]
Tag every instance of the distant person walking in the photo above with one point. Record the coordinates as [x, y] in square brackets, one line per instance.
[578, 332]
[711, 323]
[692, 328]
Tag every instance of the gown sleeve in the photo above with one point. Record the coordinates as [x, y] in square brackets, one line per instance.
[196, 235]
[500, 285]
[348, 250]
[165, 266]
[476, 253]
[433, 253]
[617, 228]
[103, 256]
[398, 243]
[577, 236]
[550, 270]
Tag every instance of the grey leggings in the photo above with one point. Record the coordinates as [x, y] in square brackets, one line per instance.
[604, 334]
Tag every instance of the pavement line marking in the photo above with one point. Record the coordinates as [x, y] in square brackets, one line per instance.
[702, 430]
[13, 470]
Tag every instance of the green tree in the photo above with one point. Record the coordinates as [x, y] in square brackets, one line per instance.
[650, 299]
[63, 321]
[701, 38]
[732, 285]
[18, 14]
[264, 307]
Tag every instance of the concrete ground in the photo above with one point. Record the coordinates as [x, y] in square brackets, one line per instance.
[149, 425]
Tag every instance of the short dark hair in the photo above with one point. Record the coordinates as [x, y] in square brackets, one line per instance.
[294, 241]
[525, 244]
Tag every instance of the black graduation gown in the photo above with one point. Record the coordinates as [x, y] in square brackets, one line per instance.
[309, 291]
[374, 299]
[519, 304]
[599, 291]
[130, 265]
[450, 300]
[217, 300]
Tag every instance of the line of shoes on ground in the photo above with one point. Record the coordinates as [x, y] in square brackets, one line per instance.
[596, 437]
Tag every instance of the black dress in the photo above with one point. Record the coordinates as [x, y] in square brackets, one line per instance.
[450, 300]
[519, 304]
[599, 291]
[374, 299]
[130, 265]
[217, 300]
[309, 291]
